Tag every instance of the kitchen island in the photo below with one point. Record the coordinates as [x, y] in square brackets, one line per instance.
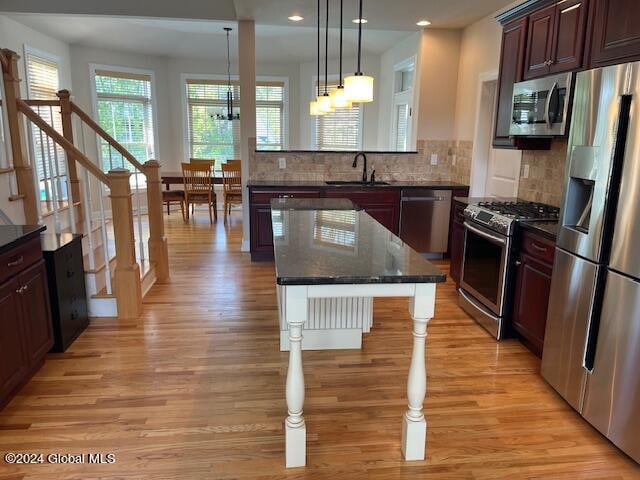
[326, 253]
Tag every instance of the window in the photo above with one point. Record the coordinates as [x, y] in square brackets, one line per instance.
[401, 121]
[124, 108]
[402, 102]
[210, 138]
[340, 130]
[49, 159]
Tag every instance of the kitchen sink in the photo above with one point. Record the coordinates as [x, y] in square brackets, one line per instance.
[354, 183]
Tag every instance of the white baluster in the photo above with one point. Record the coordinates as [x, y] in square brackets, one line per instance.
[105, 244]
[34, 165]
[139, 208]
[43, 159]
[414, 424]
[295, 312]
[54, 193]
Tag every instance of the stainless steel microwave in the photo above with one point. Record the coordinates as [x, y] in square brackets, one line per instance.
[541, 106]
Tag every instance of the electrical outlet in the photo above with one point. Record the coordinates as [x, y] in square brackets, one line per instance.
[525, 171]
[453, 159]
[434, 159]
[282, 163]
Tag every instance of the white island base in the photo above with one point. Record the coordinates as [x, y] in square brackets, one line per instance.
[332, 323]
[295, 300]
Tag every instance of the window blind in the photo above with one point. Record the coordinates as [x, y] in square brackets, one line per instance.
[340, 130]
[43, 84]
[402, 113]
[270, 115]
[125, 111]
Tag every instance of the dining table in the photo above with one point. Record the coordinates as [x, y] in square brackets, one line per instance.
[177, 178]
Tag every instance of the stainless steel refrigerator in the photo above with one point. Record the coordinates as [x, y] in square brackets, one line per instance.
[592, 344]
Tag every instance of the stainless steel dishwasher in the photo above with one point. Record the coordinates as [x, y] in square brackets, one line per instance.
[424, 219]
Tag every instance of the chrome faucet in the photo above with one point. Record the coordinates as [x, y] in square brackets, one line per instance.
[355, 164]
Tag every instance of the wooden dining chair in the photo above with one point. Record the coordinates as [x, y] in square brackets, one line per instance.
[198, 188]
[171, 196]
[204, 161]
[232, 185]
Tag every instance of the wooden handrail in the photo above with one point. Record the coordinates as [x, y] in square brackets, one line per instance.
[42, 103]
[110, 140]
[4, 61]
[63, 142]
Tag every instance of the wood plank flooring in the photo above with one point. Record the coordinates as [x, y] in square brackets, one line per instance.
[194, 389]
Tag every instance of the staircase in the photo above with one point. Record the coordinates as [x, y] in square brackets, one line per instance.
[118, 211]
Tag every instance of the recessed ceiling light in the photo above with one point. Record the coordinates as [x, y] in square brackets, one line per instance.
[296, 18]
[423, 23]
[360, 20]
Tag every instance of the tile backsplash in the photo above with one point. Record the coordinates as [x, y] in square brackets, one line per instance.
[546, 174]
[453, 163]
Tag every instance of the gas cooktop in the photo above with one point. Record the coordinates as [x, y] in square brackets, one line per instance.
[501, 216]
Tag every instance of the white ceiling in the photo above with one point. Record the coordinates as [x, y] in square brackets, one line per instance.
[382, 14]
[197, 38]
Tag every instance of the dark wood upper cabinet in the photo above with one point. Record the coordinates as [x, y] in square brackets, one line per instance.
[616, 32]
[511, 65]
[539, 42]
[555, 41]
[569, 36]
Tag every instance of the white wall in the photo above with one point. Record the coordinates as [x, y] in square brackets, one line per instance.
[479, 54]
[438, 73]
[404, 50]
[308, 74]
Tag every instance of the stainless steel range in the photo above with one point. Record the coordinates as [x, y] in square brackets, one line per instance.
[486, 281]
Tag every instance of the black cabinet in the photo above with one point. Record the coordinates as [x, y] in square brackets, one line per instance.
[67, 292]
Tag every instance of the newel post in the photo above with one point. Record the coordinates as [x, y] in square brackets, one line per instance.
[18, 136]
[67, 132]
[127, 284]
[158, 251]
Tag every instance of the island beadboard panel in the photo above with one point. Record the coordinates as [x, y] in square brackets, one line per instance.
[453, 164]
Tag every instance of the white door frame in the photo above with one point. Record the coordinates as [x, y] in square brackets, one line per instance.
[481, 142]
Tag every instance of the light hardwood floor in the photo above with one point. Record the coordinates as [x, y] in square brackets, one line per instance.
[194, 389]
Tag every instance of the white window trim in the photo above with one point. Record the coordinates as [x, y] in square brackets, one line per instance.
[154, 104]
[407, 97]
[314, 94]
[186, 150]
[5, 148]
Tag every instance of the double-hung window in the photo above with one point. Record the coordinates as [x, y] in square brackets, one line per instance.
[340, 130]
[214, 139]
[124, 105]
[48, 158]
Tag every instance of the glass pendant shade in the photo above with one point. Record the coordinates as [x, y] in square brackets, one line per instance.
[314, 109]
[359, 88]
[339, 98]
[324, 103]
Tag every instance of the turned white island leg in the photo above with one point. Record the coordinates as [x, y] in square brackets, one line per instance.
[294, 303]
[414, 425]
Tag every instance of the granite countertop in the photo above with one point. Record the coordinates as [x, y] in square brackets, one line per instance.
[317, 246]
[13, 235]
[55, 241]
[436, 184]
[546, 229]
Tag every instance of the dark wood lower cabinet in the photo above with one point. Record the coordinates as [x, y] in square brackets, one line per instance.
[456, 242]
[381, 204]
[25, 318]
[533, 284]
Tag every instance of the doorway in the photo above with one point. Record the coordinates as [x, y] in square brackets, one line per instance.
[494, 172]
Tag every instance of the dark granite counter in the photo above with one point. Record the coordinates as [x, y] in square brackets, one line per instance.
[316, 246]
[546, 229]
[438, 185]
[13, 235]
[55, 241]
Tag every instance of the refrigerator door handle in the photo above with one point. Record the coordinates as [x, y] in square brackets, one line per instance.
[591, 340]
[547, 107]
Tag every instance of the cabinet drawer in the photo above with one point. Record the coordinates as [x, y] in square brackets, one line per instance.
[538, 248]
[16, 260]
[265, 196]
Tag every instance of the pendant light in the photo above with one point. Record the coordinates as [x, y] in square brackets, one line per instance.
[229, 115]
[313, 105]
[324, 101]
[359, 87]
[339, 98]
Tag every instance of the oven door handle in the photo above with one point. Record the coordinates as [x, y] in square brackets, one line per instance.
[547, 107]
[486, 235]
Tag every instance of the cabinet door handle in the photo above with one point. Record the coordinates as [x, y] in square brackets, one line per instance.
[70, 273]
[538, 247]
[16, 262]
[518, 263]
[22, 289]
